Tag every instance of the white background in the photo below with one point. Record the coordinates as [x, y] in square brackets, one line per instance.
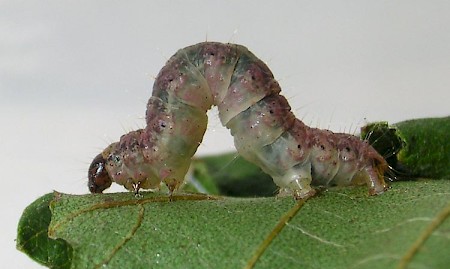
[75, 75]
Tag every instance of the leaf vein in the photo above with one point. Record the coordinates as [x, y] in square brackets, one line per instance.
[400, 224]
[276, 231]
[435, 223]
[141, 201]
[127, 238]
[303, 231]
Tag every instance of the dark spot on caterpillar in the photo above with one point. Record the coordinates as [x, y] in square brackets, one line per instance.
[114, 159]
[322, 147]
[299, 146]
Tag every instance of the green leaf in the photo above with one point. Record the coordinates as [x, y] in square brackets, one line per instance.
[32, 236]
[406, 227]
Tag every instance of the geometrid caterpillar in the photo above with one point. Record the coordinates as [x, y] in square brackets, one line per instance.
[265, 130]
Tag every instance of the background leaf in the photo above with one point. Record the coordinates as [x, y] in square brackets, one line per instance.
[229, 174]
[414, 148]
[340, 228]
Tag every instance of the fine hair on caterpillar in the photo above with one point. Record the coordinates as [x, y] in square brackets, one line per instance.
[265, 130]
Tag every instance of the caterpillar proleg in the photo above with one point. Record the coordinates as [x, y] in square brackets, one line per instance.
[265, 130]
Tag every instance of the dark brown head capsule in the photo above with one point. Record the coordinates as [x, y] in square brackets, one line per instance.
[98, 178]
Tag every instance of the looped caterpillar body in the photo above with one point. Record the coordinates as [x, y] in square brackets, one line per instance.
[265, 130]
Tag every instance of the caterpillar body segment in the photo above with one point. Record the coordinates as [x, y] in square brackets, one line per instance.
[265, 130]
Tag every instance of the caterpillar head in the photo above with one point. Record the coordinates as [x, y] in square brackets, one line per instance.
[98, 177]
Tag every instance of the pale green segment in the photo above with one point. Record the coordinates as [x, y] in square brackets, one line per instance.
[243, 92]
[278, 155]
[191, 88]
[254, 128]
[253, 133]
[260, 137]
[185, 102]
[276, 159]
[218, 72]
[182, 140]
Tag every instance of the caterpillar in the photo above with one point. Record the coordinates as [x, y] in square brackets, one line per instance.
[265, 130]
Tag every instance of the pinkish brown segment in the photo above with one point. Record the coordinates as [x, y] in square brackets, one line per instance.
[265, 130]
